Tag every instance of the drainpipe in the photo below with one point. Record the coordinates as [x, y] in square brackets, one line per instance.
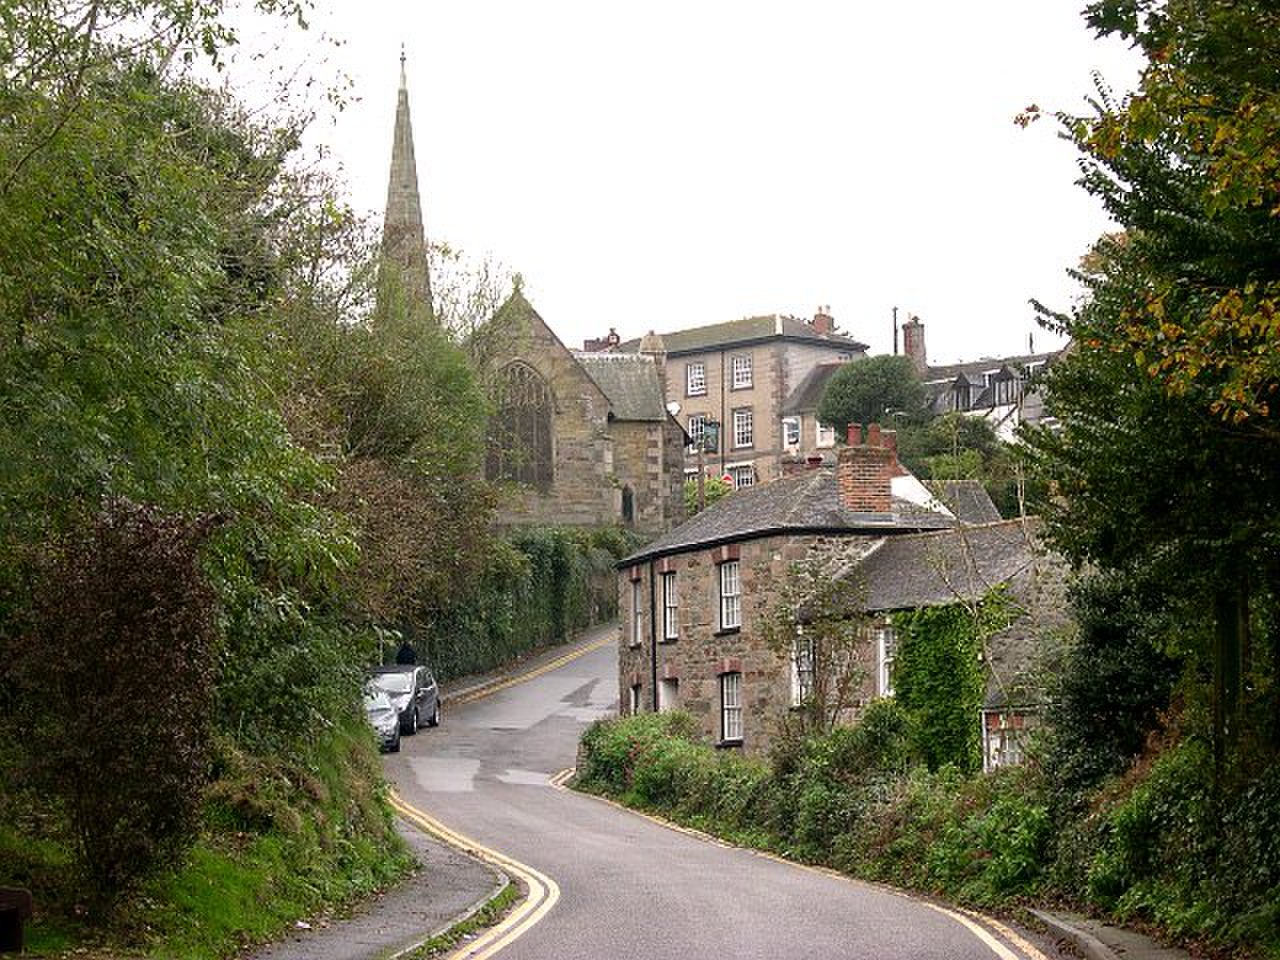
[653, 633]
[725, 428]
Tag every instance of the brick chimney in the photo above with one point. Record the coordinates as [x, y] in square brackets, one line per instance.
[823, 322]
[913, 344]
[863, 470]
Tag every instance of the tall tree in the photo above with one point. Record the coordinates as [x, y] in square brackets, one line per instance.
[877, 389]
[1167, 462]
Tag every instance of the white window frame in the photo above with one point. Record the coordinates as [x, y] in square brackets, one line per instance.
[731, 707]
[729, 578]
[636, 696]
[743, 428]
[791, 431]
[824, 436]
[886, 654]
[637, 613]
[670, 607]
[697, 430]
[740, 365]
[695, 379]
[802, 668]
[668, 694]
[743, 474]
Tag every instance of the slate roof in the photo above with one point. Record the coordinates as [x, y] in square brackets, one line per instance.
[969, 501]
[941, 568]
[806, 502]
[808, 393]
[747, 330]
[977, 367]
[631, 382]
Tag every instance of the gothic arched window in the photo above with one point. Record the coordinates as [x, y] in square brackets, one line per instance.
[520, 446]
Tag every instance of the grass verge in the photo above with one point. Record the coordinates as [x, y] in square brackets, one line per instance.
[490, 913]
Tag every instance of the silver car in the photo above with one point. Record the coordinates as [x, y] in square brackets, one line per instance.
[414, 693]
[383, 717]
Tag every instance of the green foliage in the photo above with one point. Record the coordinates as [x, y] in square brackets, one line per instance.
[884, 389]
[713, 488]
[938, 677]
[537, 588]
[957, 447]
[1112, 684]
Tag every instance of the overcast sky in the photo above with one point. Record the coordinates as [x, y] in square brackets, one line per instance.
[663, 165]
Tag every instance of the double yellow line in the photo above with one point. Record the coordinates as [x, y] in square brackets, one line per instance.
[547, 667]
[541, 892]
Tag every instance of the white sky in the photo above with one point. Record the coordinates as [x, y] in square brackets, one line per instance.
[669, 164]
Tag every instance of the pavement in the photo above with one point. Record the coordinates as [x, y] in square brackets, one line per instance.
[612, 883]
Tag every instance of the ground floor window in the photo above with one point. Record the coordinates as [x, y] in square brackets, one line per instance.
[886, 651]
[731, 707]
[802, 671]
[742, 475]
[633, 706]
[668, 694]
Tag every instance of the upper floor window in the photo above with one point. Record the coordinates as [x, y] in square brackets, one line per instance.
[826, 436]
[743, 428]
[1008, 390]
[636, 691]
[731, 707]
[742, 371]
[668, 694]
[697, 430]
[670, 608]
[695, 379]
[520, 445]
[730, 595]
[791, 431]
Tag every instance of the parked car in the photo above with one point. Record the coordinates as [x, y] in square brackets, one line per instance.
[383, 717]
[413, 692]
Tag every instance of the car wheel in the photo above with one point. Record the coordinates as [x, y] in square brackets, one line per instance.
[435, 716]
[394, 746]
[413, 722]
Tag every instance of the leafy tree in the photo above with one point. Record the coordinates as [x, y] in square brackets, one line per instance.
[956, 447]
[120, 627]
[1167, 463]
[713, 488]
[1190, 167]
[878, 389]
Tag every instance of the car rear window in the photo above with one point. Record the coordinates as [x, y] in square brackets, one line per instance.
[394, 682]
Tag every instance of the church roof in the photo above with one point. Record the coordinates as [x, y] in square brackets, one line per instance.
[403, 230]
[630, 381]
[744, 331]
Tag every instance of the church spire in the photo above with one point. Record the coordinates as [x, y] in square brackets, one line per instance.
[403, 234]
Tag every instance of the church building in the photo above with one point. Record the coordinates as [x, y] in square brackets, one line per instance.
[575, 438]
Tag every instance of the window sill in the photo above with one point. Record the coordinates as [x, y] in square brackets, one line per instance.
[729, 744]
[727, 631]
[634, 646]
[665, 640]
[702, 393]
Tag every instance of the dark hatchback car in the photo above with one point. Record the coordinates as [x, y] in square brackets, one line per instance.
[413, 692]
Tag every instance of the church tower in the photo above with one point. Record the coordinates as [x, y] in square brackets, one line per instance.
[404, 241]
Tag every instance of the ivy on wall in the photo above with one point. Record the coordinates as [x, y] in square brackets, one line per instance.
[939, 679]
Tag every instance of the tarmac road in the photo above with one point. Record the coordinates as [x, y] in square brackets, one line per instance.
[630, 888]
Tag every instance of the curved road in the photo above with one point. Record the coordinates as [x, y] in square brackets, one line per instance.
[632, 889]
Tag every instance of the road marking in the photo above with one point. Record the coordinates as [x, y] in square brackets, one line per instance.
[547, 667]
[967, 918]
[542, 892]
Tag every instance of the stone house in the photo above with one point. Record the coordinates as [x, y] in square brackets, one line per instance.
[579, 439]
[1001, 390]
[694, 603]
[734, 377]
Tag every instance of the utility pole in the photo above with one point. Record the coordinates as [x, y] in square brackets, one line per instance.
[895, 331]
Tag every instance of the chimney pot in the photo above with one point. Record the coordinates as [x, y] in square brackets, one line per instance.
[854, 435]
[873, 435]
